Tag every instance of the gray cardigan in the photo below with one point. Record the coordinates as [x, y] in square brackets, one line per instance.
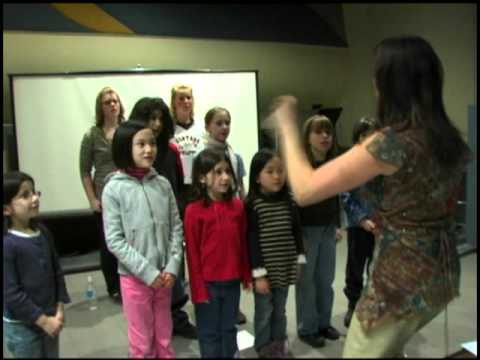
[142, 225]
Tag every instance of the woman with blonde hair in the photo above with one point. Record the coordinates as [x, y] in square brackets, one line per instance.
[96, 153]
[188, 135]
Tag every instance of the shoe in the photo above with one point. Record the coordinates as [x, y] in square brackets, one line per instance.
[188, 331]
[313, 340]
[241, 318]
[266, 352]
[329, 333]
[280, 350]
[116, 298]
[348, 318]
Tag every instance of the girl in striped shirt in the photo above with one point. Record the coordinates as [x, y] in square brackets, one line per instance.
[275, 248]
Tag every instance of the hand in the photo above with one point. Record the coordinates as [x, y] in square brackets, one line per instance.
[247, 286]
[262, 286]
[95, 205]
[158, 282]
[283, 110]
[339, 233]
[368, 225]
[168, 279]
[60, 316]
[50, 324]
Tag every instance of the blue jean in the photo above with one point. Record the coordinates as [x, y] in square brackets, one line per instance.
[216, 320]
[314, 290]
[29, 341]
[270, 318]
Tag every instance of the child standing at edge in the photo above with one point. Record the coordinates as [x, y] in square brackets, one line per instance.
[361, 229]
[34, 288]
[215, 234]
[217, 125]
[275, 248]
[320, 221]
[144, 231]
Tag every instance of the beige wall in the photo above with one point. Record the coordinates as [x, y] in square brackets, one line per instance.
[316, 74]
[313, 73]
[450, 28]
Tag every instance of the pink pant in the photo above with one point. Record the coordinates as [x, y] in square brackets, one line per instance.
[149, 319]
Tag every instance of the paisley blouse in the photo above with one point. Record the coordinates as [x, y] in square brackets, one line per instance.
[416, 267]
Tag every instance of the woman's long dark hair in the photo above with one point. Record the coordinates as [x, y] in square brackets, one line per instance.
[11, 186]
[409, 81]
[259, 161]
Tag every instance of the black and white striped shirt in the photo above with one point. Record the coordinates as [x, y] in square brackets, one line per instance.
[275, 240]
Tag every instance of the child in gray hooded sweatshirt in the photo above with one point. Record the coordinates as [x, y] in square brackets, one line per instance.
[144, 231]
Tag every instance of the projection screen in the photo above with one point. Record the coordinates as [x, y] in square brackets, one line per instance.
[53, 111]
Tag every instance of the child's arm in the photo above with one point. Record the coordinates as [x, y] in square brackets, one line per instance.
[241, 174]
[193, 241]
[176, 236]
[246, 269]
[256, 259]
[297, 233]
[61, 294]
[126, 254]
[353, 207]
[60, 314]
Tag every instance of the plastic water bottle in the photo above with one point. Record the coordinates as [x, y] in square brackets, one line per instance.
[91, 294]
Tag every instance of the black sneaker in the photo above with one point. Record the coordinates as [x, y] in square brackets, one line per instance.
[348, 318]
[241, 318]
[329, 333]
[313, 340]
[187, 331]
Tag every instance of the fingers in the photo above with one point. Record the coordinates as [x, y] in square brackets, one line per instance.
[282, 108]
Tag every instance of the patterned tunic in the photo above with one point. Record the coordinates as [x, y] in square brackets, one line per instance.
[416, 267]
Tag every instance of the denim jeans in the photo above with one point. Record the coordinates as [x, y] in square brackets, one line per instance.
[314, 290]
[29, 341]
[270, 318]
[216, 320]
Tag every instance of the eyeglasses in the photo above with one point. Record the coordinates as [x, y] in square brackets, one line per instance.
[29, 194]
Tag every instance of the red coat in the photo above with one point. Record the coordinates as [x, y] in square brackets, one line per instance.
[216, 239]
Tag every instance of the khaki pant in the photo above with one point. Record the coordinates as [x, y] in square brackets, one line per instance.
[385, 341]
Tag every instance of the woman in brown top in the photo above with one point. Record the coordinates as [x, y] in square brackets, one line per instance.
[96, 153]
[417, 157]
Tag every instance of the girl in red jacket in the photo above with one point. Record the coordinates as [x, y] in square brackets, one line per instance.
[215, 234]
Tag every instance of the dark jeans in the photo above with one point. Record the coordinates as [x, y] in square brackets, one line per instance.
[270, 317]
[29, 341]
[216, 320]
[108, 261]
[360, 252]
[314, 290]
